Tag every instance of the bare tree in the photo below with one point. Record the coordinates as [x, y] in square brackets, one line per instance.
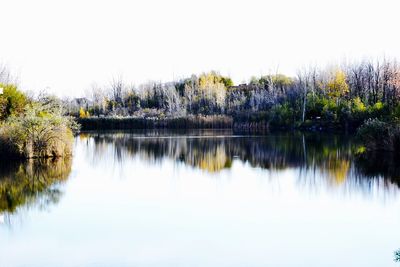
[116, 88]
[97, 96]
[303, 83]
[5, 75]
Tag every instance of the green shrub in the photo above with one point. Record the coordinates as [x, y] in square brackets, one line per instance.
[357, 106]
[37, 133]
[380, 136]
[378, 110]
[12, 101]
[329, 110]
[282, 115]
[396, 112]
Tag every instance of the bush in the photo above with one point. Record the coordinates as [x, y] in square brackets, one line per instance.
[358, 110]
[379, 110]
[37, 133]
[329, 111]
[380, 136]
[282, 115]
[12, 101]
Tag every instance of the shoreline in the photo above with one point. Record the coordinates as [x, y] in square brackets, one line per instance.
[214, 122]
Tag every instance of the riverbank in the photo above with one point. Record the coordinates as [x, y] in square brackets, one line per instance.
[126, 123]
[207, 122]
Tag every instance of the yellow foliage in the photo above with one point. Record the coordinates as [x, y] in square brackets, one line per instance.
[337, 86]
[361, 150]
[212, 86]
[378, 105]
[338, 169]
[213, 162]
[282, 80]
[82, 113]
[358, 105]
[211, 80]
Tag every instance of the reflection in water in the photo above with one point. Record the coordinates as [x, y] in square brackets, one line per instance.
[318, 158]
[380, 165]
[205, 198]
[31, 183]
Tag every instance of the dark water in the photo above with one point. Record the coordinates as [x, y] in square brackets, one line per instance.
[202, 198]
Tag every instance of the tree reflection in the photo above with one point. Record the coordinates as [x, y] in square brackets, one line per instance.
[31, 183]
[318, 157]
[380, 164]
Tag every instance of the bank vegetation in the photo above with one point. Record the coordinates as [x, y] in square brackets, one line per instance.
[33, 128]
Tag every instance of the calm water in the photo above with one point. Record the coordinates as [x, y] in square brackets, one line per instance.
[201, 199]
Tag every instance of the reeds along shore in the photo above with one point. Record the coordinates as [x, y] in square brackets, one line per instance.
[246, 124]
[189, 122]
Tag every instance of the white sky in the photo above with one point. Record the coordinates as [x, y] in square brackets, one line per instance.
[65, 46]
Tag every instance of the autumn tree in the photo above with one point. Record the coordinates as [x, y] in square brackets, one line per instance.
[12, 101]
[337, 86]
[82, 113]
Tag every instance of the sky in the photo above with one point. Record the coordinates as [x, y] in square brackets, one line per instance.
[64, 47]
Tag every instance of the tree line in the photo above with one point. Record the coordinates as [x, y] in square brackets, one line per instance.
[338, 96]
[343, 95]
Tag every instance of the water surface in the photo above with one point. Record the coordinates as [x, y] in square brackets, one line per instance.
[201, 198]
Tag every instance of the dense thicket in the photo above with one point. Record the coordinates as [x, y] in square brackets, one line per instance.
[336, 97]
[33, 128]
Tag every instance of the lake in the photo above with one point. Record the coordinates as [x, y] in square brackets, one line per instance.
[202, 198]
